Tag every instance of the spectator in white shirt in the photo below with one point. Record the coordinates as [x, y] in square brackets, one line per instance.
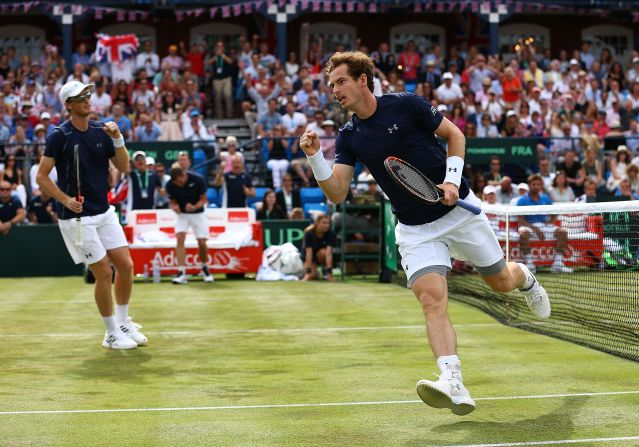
[449, 93]
[101, 101]
[291, 119]
[148, 60]
[194, 129]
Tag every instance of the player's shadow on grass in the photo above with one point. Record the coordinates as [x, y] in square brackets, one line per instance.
[555, 425]
[121, 366]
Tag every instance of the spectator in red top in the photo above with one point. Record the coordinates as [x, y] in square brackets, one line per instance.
[409, 60]
[195, 57]
[511, 85]
[599, 127]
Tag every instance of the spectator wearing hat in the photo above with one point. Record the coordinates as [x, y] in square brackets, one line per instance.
[11, 209]
[194, 129]
[449, 93]
[143, 184]
[618, 166]
[511, 125]
[173, 59]
[147, 59]
[328, 140]
[147, 129]
[45, 120]
[231, 151]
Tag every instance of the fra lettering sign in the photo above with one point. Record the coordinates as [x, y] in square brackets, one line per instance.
[522, 151]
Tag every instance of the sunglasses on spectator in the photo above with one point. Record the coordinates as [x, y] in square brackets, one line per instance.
[80, 98]
[5, 189]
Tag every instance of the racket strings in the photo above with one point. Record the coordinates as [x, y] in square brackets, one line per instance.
[416, 181]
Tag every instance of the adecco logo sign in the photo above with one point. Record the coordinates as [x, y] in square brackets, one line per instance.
[146, 218]
[238, 216]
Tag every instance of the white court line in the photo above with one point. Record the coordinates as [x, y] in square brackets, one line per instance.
[272, 330]
[309, 405]
[562, 441]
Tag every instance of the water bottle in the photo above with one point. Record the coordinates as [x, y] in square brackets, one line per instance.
[145, 275]
[156, 272]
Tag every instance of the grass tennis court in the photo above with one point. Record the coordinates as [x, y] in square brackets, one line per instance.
[243, 363]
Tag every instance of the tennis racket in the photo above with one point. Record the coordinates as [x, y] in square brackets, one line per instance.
[418, 185]
[78, 221]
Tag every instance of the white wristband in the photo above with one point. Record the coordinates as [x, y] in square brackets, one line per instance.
[454, 168]
[320, 167]
[118, 142]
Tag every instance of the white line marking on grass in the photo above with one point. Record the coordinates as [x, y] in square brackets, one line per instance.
[265, 331]
[320, 404]
[563, 441]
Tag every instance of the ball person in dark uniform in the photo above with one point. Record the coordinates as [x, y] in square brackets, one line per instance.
[187, 192]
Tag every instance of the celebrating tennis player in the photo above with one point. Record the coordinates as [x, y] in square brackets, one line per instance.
[407, 126]
[80, 150]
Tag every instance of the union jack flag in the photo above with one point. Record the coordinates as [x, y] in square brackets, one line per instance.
[471, 29]
[116, 48]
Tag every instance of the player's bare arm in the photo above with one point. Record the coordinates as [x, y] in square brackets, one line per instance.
[336, 182]
[456, 148]
[121, 157]
[51, 189]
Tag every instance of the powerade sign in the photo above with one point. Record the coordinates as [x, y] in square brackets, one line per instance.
[522, 151]
[162, 151]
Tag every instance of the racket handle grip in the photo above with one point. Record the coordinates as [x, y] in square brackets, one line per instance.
[469, 207]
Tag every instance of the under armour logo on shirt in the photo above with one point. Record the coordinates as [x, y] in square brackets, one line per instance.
[452, 169]
[391, 129]
[88, 255]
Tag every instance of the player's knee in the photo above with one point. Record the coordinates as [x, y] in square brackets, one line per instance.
[102, 271]
[125, 267]
[432, 302]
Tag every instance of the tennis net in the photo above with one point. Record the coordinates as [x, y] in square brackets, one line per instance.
[593, 286]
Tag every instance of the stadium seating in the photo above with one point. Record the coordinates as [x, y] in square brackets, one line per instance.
[312, 195]
[214, 197]
[311, 210]
[259, 194]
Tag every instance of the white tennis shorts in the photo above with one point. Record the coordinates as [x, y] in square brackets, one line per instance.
[99, 234]
[546, 228]
[196, 221]
[459, 234]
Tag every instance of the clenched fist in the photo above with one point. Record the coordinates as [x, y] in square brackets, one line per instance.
[112, 130]
[310, 143]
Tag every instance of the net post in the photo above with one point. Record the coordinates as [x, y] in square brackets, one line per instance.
[507, 236]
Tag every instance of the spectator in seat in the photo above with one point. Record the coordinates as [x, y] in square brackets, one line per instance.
[277, 158]
[319, 241]
[632, 172]
[237, 184]
[11, 209]
[123, 122]
[231, 151]
[288, 197]
[505, 192]
[540, 227]
[494, 175]
[522, 190]
[194, 129]
[143, 184]
[42, 210]
[592, 168]
[270, 209]
[573, 169]
[590, 193]
[625, 190]
[13, 176]
[618, 166]
[268, 120]
[544, 172]
[147, 130]
[560, 191]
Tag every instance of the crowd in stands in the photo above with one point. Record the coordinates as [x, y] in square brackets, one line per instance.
[581, 108]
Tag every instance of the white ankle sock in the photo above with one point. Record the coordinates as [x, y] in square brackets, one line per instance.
[448, 360]
[110, 324]
[121, 312]
[528, 281]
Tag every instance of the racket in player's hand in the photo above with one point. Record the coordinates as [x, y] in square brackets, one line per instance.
[74, 205]
[310, 143]
[418, 185]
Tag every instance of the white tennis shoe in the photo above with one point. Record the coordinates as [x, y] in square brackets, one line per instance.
[118, 340]
[206, 275]
[447, 392]
[536, 296]
[180, 278]
[559, 267]
[130, 329]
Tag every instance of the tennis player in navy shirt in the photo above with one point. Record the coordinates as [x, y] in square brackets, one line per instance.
[407, 126]
[103, 242]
